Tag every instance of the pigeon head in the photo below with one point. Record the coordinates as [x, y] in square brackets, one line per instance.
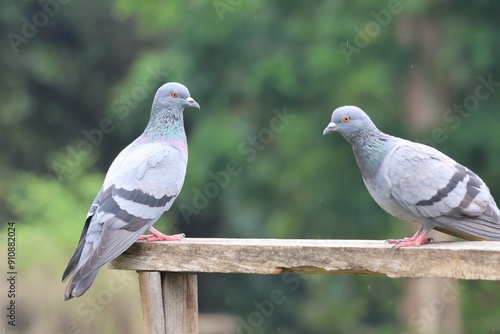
[173, 97]
[166, 119]
[350, 122]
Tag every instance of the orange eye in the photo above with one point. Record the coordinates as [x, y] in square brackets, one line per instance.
[174, 94]
[346, 119]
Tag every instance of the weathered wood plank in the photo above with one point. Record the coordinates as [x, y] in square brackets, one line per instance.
[462, 260]
[180, 298]
[153, 317]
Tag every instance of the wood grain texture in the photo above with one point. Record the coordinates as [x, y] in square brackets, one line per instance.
[462, 260]
[180, 298]
[153, 316]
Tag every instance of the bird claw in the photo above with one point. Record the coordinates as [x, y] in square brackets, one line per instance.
[418, 239]
[409, 242]
[158, 236]
[164, 237]
[396, 241]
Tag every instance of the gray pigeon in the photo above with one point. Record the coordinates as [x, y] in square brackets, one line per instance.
[141, 184]
[417, 183]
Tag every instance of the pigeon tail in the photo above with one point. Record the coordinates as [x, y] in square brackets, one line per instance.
[75, 259]
[76, 289]
[472, 229]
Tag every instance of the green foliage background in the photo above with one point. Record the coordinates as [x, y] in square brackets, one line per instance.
[243, 62]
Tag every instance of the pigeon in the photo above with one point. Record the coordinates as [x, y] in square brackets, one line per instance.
[140, 185]
[417, 183]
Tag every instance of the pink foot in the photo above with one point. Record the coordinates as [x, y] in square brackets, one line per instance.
[158, 236]
[420, 238]
[397, 241]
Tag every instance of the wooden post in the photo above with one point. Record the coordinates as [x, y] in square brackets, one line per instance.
[180, 299]
[169, 302]
[153, 314]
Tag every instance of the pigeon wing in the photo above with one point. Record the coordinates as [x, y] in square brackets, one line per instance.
[140, 185]
[433, 186]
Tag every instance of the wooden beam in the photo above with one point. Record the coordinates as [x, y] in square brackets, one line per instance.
[462, 260]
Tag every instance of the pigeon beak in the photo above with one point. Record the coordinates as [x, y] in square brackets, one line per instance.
[331, 127]
[192, 103]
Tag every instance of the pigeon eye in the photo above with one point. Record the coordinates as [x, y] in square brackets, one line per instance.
[174, 94]
[346, 119]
